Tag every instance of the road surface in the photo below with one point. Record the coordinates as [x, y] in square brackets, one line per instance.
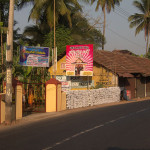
[119, 127]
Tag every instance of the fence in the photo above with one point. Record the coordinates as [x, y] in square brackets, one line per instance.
[85, 98]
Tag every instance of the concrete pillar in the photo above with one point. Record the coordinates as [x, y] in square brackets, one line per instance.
[59, 100]
[18, 91]
[63, 101]
[2, 108]
[53, 95]
[17, 101]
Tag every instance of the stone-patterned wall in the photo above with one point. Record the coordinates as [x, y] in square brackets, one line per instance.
[80, 98]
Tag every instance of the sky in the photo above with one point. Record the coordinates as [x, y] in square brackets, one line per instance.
[118, 33]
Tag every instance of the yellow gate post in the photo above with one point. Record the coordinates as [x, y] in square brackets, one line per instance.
[18, 91]
[2, 107]
[53, 95]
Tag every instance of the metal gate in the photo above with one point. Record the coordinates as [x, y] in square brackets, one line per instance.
[34, 97]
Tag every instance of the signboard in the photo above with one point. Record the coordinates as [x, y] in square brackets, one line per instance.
[61, 78]
[79, 60]
[34, 56]
[65, 85]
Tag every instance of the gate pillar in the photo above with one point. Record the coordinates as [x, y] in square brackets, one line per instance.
[53, 95]
[17, 86]
[2, 108]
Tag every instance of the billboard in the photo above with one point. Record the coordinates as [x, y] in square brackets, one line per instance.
[34, 56]
[79, 60]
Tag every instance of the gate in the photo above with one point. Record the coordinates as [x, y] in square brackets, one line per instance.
[34, 95]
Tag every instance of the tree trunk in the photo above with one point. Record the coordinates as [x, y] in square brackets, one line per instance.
[9, 61]
[147, 44]
[104, 26]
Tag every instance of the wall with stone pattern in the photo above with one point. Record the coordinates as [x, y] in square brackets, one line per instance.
[85, 98]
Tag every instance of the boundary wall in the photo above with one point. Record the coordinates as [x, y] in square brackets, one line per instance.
[81, 98]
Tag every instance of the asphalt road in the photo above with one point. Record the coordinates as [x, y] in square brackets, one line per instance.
[120, 127]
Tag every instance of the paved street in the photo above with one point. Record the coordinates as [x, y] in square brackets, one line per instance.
[116, 127]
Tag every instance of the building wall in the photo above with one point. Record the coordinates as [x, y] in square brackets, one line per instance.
[129, 84]
[140, 87]
[148, 86]
[101, 76]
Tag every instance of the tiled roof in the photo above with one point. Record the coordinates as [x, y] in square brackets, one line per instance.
[122, 64]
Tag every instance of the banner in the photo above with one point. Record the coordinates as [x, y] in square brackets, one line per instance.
[79, 60]
[34, 56]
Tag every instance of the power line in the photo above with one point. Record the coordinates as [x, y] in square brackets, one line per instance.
[121, 12]
[121, 16]
[124, 12]
[132, 42]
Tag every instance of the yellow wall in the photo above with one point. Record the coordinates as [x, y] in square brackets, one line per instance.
[101, 75]
[59, 70]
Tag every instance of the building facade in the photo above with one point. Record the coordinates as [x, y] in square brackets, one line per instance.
[110, 69]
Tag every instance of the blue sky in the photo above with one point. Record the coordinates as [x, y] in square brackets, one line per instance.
[118, 33]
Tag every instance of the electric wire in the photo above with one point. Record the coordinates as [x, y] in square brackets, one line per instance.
[132, 42]
[124, 14]
[121, 10]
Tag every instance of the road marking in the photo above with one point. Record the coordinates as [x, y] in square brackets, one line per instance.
[141, 110]
[91, 129]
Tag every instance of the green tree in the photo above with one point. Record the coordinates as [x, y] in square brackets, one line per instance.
[141, 20]
[63, 38]
[83, 33]
[46, 7]
[105, 5]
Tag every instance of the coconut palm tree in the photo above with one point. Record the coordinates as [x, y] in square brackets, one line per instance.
[105, 5]
[46, 7]
[141, 20]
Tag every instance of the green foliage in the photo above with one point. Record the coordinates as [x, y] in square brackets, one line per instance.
[63, 38]
[83, 33]
[98, 86]
[141, 20]
[46, 8]
[108, 4]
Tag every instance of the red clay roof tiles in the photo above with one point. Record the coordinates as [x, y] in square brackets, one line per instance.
[121, 63]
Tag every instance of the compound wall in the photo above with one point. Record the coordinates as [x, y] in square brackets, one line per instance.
[85, 98]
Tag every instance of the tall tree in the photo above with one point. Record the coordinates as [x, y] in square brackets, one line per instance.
[81, 33]
[105, 5]
[141, 20]
[46, 7]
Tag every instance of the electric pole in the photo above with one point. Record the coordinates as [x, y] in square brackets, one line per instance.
[54, 44]
[9, 62]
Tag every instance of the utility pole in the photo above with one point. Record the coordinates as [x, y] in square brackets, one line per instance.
[9, 62]
[1, 25]
[54, 43]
